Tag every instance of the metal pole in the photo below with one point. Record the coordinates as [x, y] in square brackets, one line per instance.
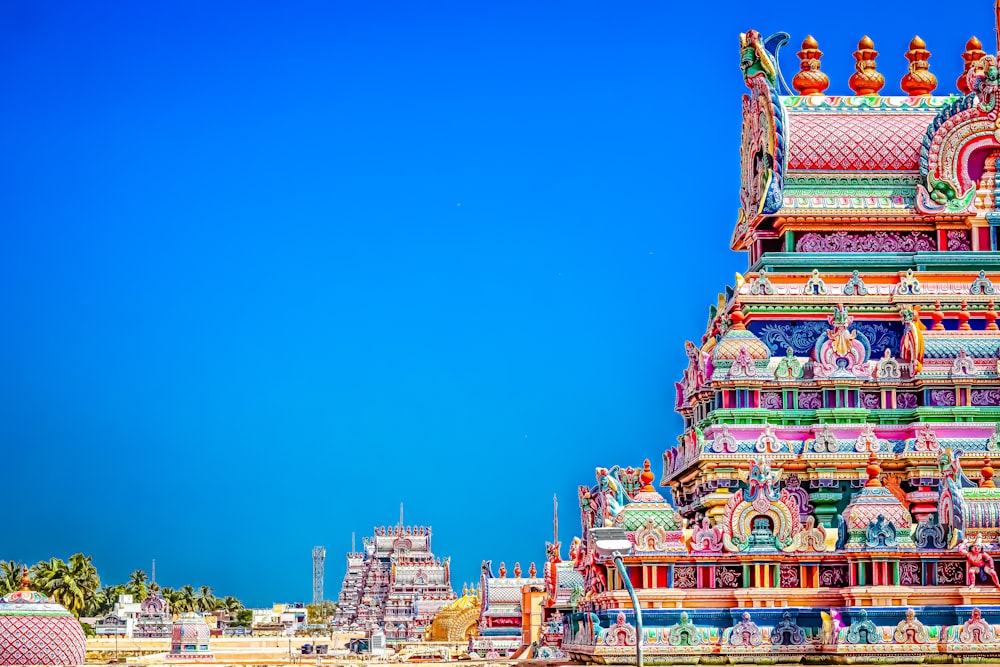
[623, 572]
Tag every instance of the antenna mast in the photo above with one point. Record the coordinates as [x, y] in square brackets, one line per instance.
[555, 512]
[319, 557]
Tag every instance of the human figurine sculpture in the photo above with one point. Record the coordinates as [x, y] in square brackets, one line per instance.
[977, 558]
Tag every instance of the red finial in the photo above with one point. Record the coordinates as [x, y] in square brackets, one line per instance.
[937, 316]
[517, 570]
[810, 80]
[647, 478]
[25, 580]
[963, 317]
[874, 470]
[866, 80]
[986, 474]
[503, 570]
[736, 317]
[531, 570]
[919, 80]
[991, 317]
[973, 53]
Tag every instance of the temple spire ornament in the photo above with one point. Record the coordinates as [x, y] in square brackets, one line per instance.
[810, 80]
[866, 80]
[919, 80]
[973, 53]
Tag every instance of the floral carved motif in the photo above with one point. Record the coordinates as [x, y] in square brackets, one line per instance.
[685, 576]
[771, 400]
[909, 573]
[941, 397]
[950, 573]
[833, 576]
[958, 240]
[810, 400]
[728, 576]
[870, 400]
[986, 396]
[788, 575]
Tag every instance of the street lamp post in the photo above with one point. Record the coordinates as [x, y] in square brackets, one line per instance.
[623, 573]
[611, 542]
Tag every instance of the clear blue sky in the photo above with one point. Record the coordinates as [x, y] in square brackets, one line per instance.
[269, 269]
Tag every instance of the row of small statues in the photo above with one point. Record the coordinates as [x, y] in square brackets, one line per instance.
[382, 531]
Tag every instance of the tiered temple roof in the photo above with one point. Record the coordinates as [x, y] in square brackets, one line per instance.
[832, 491]
[396, 584]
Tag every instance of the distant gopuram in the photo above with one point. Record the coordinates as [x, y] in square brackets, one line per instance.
[831, 495]
[395, 583]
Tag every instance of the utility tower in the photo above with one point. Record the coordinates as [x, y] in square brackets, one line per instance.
[319, 557]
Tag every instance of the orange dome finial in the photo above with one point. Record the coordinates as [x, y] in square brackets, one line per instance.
[532, 570]
[866, 79]
[517, 570]
[873, 470]
[646, 477]
[810, 80]
[25, 580]
[986, 474]
[919, 80]
[736, 316]
[973, 53]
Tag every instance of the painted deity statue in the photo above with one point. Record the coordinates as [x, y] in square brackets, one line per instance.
[951, 505]
[762, 481]
[977, 559]
[613, 497]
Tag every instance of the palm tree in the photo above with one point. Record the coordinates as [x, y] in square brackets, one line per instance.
[231, 604]
[10, 576]
[137, 585]
[57, 580]
[187, 598]
[83, 571]
[205, 600]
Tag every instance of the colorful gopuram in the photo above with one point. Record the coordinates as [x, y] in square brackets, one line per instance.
[831, 496]
[505, 602]
[396, 584]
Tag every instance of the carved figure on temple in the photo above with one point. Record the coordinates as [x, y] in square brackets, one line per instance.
[841, 352]
[761, 154]
[787, 632]
[759, 518]
[746, 633]
[812, 537]
[951, 505]
[977, 560]
[910, 630]
[706, 538]
[881, 533]
[613, 497]
[684, 632]
[761, 480]
[976, 630]
[863, 631]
